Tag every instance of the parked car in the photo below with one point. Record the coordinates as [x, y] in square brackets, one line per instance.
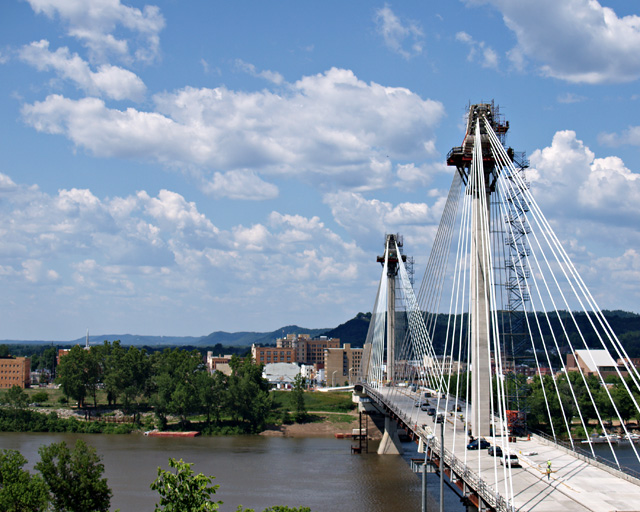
[511, 459]
[478, 444]
[495, 451]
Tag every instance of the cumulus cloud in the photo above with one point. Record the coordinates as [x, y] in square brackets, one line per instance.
[367, 220]
[404, 37]
[330, 129]
[600, 48]
[151, 255]
[567, 177]
[94, 24]
[411, 176]
[239, 185]
[111, 81]
[479, 50]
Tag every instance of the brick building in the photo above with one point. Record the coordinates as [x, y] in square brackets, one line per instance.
[295, 348]
[15, 371]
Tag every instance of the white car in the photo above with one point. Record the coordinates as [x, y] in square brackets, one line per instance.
[510, 459]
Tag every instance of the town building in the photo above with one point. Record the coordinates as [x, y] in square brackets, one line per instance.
[342, 365]
[295, 348]
[15, 371]
[268, 355]
[445, 364]
[218, 363]
[308, 350]
[594, 362]
[281, 375]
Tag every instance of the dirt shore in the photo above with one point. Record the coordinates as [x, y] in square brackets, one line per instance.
[328, 427]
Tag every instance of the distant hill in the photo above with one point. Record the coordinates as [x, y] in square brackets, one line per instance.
[249, 338]
[625, 324]
[228, 339]
[353, 331]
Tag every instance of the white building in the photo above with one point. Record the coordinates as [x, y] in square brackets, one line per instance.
[281, 375]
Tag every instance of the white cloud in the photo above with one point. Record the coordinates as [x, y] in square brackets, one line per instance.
[398, 33]
[411, 176]
[630, 136]
[95, 22]
[330, 129]
[367, 220]
[173, 211]
[578, 41]
[112, 81]
[145, 257]
[239, 185]
[571, 97]
[567, 178]
[478, 49]
[34, 272]
[271, 76]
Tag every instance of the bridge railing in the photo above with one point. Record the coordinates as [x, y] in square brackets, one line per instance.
[604, 464]
[488, 494]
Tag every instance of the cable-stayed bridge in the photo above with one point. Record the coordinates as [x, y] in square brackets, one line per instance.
[503, 346]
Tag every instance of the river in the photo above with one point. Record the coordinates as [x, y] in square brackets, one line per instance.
[253, 471]
[260, 471]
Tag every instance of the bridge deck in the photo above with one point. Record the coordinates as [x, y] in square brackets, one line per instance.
[573, 485]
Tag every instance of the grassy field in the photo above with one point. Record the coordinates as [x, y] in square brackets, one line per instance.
[317, 401]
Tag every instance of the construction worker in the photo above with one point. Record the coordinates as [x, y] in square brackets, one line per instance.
[548, 470]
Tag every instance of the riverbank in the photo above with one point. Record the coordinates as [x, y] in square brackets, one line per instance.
[330, 425]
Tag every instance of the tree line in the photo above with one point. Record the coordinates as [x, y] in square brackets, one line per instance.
[172, 382]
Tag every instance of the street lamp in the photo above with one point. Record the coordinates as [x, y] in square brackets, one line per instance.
[333, 379]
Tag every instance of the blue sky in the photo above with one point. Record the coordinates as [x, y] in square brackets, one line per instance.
[177, 168]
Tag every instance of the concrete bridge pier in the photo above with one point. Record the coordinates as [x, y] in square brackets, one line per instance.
[390, 444]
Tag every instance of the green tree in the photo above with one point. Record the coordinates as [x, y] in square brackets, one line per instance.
[211, 390]
[74, 478]
[183, 491]
[248, 398]
[19, 490]
[74, 374]
[137, 378]
[176, 373]
[16, 397]
[296, 399]
[40, 397]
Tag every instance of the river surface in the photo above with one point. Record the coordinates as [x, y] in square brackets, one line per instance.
[253, 471]
[259, 471]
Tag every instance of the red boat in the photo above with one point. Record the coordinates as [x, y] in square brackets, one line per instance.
[155, 433]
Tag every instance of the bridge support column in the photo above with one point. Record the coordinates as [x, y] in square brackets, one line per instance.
[390, 444]
[480, 312]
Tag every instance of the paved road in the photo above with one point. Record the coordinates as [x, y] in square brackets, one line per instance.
[573, 485]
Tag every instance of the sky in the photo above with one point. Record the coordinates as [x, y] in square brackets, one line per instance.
[178, 168]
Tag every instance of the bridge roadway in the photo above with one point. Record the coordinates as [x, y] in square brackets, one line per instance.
[573, 485]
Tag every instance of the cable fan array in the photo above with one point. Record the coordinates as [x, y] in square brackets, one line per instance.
[501, 226]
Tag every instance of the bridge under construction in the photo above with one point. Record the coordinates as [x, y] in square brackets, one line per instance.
[474, 365]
